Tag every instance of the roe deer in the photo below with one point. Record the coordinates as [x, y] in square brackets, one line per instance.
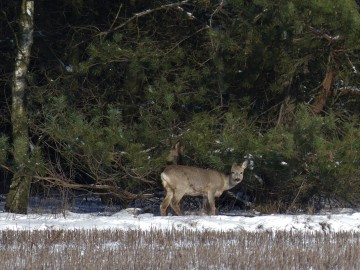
[176, 154]
[179, 181]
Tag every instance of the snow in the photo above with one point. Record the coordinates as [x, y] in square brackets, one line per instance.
[129, 219]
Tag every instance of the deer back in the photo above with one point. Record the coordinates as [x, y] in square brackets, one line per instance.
[194, 181]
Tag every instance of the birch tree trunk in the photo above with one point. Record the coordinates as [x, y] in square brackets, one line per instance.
[17, 200]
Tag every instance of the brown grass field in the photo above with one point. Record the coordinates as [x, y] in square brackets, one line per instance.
[116, 249]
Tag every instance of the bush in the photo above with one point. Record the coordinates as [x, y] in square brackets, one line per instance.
[308, 159]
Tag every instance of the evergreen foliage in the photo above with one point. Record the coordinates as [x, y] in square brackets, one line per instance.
[112, 86]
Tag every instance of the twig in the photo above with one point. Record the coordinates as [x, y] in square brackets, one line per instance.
[323, 35]
[143, 13]
[297, 195]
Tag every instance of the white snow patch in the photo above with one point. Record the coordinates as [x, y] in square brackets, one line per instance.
[129, 219]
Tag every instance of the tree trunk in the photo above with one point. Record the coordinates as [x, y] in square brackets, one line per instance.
[17, 199]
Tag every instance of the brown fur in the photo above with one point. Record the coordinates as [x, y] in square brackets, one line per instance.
[175, 155]
[179, 181]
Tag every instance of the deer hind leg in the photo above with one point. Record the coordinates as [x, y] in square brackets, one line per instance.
[167, 200]
[175, 204]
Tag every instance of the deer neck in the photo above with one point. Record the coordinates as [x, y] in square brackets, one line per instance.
[229, 183]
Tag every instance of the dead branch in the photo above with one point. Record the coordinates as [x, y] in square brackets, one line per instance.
[94, 188]
[143, 13]
[320, 101]
[349, 90]
[322, 34]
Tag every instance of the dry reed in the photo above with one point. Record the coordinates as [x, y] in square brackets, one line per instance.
[117, 249]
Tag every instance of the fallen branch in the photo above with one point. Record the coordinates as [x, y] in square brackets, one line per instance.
[94, 188]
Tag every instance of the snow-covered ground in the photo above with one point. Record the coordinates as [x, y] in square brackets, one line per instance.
[91, 214]
[346, 220]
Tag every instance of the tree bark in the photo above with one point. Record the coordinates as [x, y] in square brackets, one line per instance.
[17, 200]
[320, 101]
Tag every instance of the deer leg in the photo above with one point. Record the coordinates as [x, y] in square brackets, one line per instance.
[211, 199]
[175, 204]
[205, 204]
[167, 200]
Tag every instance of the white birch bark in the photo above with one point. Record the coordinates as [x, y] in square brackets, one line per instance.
[19, 190]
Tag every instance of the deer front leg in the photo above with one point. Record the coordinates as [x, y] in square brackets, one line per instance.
[211, 199]
[205, 204]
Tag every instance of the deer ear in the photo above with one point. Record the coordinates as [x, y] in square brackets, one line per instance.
[244, 164]
[179, 147]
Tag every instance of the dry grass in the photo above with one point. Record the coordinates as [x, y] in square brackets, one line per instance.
[95, 249]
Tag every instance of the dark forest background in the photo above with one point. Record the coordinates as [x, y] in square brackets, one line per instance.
[113, 85]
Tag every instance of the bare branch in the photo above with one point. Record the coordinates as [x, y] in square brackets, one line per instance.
[353, 67]
[222, 2]
[143, 13]
[353, 90]
[322, 34]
